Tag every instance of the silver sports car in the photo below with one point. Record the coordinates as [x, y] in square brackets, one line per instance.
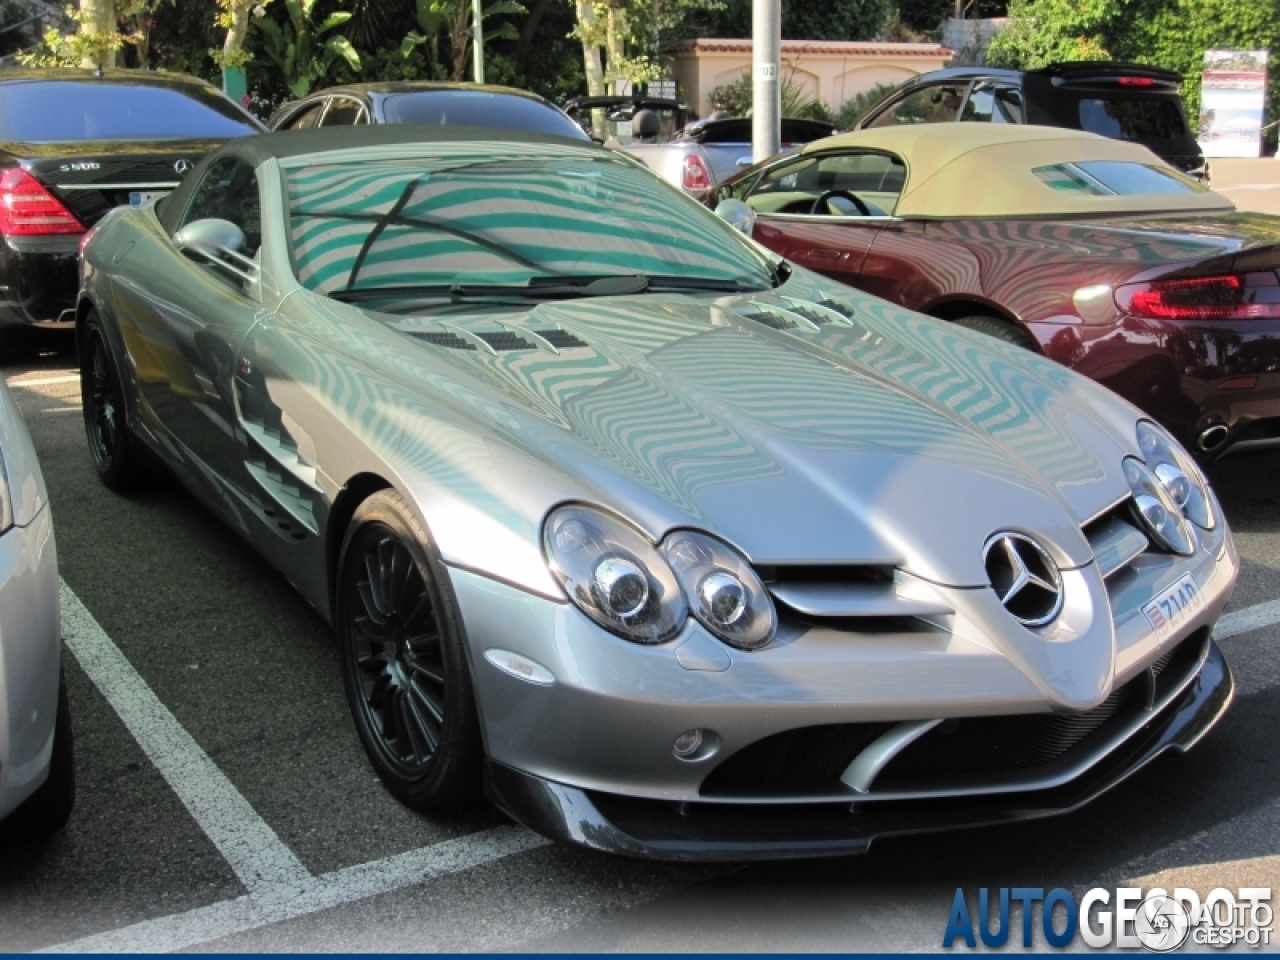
[679, 551]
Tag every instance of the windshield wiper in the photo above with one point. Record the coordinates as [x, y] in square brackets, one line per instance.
[548, 288]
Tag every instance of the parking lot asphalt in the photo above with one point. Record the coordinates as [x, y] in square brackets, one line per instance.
[225, 803]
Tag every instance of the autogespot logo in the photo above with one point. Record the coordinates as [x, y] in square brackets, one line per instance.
[1128, 918]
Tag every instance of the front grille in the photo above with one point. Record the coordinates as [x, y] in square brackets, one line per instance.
[810, 755]
[986, 745]
[968, 751]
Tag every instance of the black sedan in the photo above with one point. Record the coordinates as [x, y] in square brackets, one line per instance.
[436, 104]
[74, 144]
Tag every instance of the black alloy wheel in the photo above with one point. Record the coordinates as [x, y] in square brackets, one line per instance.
[404, 666]
[104, 412]
[1000, 329]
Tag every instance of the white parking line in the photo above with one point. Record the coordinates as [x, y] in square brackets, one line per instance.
[1250, 618]
[44, 381]
[258, 857]
[205, 924]
[279, 886]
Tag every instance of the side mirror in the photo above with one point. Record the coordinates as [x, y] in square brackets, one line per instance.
[219, 242]
[210, 237]
[737, 214]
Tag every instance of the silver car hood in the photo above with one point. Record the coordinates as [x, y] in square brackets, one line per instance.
[849, 433]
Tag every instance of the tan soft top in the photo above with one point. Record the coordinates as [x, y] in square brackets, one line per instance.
[979, 170]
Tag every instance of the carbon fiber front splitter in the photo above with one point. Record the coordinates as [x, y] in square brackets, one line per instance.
[716, 831]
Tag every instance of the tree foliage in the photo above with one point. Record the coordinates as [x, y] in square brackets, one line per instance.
[1165, 33]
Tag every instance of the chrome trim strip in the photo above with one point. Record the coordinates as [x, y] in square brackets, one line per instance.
[166, 185]
[853, 600]
[867, 765]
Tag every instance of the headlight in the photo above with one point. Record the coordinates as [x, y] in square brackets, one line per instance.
[613, 574]
[724, 592]
[1157, 510]
[1177, 473]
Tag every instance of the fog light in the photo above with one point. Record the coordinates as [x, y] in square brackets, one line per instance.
[696, 744]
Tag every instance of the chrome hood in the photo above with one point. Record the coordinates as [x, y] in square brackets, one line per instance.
[812, 424]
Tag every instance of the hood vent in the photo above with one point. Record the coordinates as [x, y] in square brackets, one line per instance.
[775, 321]
[442, 338]
[500, 341]
[836, 306]
[504, 340]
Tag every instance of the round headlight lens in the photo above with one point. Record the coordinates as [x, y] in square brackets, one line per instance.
[724, 592]
[1157, 510]
[1177, 474]
[613, 574]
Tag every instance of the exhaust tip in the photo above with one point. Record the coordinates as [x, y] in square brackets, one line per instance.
[1212, 438]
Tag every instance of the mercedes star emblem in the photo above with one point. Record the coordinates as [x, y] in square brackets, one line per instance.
[182, 167]
[1024, 577]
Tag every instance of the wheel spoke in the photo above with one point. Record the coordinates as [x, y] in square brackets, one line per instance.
[425, 719]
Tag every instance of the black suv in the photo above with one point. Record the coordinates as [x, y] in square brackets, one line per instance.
[1124, 101]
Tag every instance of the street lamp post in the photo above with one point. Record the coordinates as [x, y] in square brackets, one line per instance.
[477, 39]
[766, 52]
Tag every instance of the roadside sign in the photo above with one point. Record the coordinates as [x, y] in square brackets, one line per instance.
[1233, 94]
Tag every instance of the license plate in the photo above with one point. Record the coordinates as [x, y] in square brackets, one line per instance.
[138, 197]
[1174, 606]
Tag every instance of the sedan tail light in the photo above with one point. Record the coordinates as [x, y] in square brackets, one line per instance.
[27, 209]
[694, 175]
[1235, 296]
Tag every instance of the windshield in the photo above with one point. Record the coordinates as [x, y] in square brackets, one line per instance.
[485, 219]
[473, 108]
[68, 111]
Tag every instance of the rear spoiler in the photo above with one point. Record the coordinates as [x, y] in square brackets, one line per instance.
[738, 130]
[1110, 73]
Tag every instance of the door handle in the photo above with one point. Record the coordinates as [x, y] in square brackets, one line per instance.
[826, 253]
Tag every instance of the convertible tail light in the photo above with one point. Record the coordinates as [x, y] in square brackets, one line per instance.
[694, 175]
[1234, 296]
[27, 209]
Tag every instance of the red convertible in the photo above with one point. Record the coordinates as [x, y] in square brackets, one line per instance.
[1089, 250]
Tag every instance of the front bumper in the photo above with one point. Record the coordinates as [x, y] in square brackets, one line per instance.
[716, 831]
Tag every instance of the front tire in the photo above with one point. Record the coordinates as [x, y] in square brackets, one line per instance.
[102, 398]
[404, 663]
[998, 328]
